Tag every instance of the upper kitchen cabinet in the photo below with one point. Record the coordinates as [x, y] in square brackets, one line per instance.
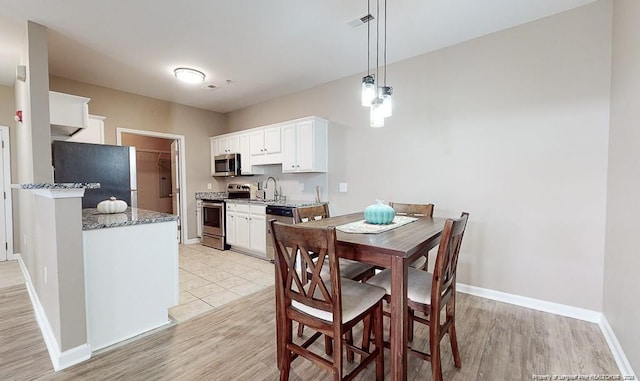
[304, 145]
[246, 164]
[94, 133]
[225, 144]
[68, 113]
[266, 147]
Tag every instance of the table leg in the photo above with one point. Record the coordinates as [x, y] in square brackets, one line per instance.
[399, 315]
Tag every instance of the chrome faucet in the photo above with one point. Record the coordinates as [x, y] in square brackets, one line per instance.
[275, 186]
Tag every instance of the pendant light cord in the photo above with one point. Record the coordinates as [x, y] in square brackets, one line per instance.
[377, 42]
[385, 43]
[368, 36]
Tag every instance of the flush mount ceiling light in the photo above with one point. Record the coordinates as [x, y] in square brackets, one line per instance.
[188, 75]
[375, 94]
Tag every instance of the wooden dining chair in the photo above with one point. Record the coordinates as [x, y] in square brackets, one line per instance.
[415, 210]
[353, 270]
[330, 306]
[431, 294]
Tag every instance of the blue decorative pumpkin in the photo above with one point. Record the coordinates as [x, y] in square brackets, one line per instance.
[379, 214]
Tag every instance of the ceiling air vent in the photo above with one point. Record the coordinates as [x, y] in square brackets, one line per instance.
[360, 21]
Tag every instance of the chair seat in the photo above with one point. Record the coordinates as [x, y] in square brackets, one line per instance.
[418, 284]
[356, 298]
[419, 263]
[348, 269]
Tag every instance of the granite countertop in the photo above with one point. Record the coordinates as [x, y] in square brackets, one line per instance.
[211, 195]
[92, 219]
[289, 203]
[57, 186]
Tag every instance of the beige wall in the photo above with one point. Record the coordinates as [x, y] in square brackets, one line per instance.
[143, 113]
[511, 127]
[621, 288]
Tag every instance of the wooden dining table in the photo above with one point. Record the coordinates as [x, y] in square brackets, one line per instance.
[394, 249]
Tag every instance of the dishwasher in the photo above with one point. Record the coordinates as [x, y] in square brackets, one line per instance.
[282, 214]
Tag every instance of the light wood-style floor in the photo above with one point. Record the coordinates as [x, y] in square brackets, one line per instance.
[237, 342]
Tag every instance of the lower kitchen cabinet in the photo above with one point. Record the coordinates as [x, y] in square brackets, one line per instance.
[230, 233]
[258, 233]
[246, 227]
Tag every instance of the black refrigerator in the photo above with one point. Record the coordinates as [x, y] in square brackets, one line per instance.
[114, 167]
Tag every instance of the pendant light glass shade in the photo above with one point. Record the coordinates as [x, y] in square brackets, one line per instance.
[368, 90]
[385, 94]
[377, 116]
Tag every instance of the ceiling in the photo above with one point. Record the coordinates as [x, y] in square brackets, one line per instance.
[252, 50]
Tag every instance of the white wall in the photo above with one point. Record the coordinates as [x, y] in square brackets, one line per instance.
[511, 127]
[621, 287]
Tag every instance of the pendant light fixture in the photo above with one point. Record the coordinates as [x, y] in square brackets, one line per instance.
[368, 82]
[374, 95]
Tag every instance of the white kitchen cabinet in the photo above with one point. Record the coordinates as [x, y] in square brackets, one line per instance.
[242, 231]
[67, 113]
[245, 155]
[94, 133]
[230, 224]
[229, 144]
[225, 144]
[246, 227]
[266, 145]
[304, 146]
[258, 230]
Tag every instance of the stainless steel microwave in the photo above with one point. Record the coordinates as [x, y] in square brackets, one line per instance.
[227, 165]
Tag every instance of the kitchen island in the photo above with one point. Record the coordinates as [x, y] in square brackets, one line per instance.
[131, 273]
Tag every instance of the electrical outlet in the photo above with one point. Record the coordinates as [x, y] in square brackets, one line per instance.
[24, 239]
[301, 186]
[45, 274]
[208, 185]
[343, 187]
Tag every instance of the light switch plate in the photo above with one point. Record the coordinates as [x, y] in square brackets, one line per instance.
[343, 187]
[208, 185]
[301, 187]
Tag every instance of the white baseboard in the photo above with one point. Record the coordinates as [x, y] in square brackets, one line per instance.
[536, 304]
[60, 360]
[192, 240]
[563, 310]
[616, 350]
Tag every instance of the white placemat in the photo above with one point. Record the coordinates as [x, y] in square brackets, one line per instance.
[363, 226]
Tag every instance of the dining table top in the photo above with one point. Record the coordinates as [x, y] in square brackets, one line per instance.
[406, 241]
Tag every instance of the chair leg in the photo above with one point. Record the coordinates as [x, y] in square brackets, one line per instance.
[451, 315]
[434, 346]
[366, 335]
[328, 345]
[300, 329]
[285, 352]
[377, 327]
[454, 346]
[349, 339]
[411, 315]
[337, 358]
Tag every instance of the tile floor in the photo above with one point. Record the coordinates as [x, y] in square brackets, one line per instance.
[210, 278]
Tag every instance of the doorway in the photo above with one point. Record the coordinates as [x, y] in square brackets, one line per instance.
[160, 171]
[6, 215]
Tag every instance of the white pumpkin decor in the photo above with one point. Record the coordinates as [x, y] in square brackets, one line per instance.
[112, 206]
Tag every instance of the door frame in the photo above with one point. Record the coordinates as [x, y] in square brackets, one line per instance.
[183, 170]
[8, 213]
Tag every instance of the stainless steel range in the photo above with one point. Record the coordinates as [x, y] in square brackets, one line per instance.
[213, 216]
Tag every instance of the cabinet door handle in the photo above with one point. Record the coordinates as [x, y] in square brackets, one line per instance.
[293, 166]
